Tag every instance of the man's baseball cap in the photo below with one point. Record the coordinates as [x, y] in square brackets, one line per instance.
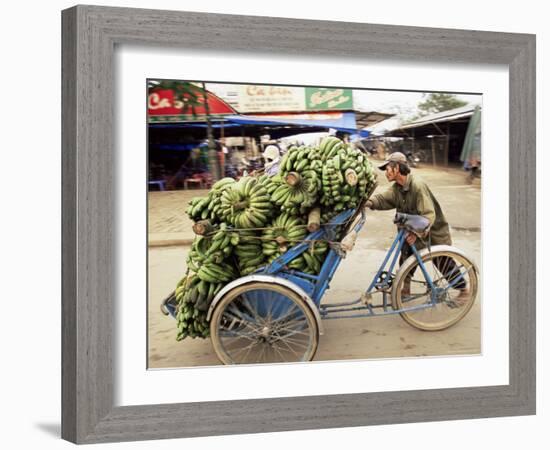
[393, 157]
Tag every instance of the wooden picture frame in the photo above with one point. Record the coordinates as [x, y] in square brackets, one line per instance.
[90, 34]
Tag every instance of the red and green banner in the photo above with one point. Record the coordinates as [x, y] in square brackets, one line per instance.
[162, 106]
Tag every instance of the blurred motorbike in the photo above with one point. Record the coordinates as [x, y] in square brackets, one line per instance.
[412, 159]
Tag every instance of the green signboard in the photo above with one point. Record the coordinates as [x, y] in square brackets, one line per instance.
[322, 99]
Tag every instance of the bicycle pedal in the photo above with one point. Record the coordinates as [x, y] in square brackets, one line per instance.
[366, 299]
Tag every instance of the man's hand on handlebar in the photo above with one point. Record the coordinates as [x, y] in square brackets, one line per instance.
[411, 238]
[369, 204]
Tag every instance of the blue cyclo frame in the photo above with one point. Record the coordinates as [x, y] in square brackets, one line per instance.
[316, 285]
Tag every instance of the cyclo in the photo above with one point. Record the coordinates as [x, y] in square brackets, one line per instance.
[275, 314]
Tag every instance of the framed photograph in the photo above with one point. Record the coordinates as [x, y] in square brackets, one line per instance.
[314, 155]
[225, 193]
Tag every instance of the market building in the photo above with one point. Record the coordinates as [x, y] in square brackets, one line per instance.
[243, 119]
[437, 139]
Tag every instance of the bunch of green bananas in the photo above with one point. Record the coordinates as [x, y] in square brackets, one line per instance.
[194, 296]
[202, 208]
[208, 260]
[265, 180]
[347, 177]
[329, 147]
[300, 183]
[191, 322]
[198, 208]
[298, 159]
[284, 232]
[287, 231]
[214, 248]
[246, 204]
[208, 256]
[315, 257]
[337, 193]
[249, 252]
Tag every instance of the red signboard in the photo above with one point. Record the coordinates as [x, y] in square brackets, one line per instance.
[161, 102]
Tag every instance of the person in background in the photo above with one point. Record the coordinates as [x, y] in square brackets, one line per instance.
[282, 146]
[272, 159]
[473, 166]
[222, 152]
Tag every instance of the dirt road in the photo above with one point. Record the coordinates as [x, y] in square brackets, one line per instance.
[343, 339]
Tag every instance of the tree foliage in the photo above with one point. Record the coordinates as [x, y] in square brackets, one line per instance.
[189, 94]
[436, 102]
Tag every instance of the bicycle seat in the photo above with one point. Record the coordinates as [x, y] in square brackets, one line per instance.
[417, 224]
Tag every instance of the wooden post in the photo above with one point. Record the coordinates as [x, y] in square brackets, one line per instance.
[447, 139]
[245, 147]
[213, 163]
[433, 151]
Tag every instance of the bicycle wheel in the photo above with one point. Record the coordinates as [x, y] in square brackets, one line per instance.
[455, 284]
[263, 323]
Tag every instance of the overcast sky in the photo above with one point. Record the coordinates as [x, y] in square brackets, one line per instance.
[394, 101]
[404, 104]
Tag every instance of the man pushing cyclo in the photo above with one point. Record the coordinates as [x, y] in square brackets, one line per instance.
[411, 197]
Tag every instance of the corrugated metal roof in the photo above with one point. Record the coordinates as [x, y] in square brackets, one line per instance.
[444, 116]
[366, 119]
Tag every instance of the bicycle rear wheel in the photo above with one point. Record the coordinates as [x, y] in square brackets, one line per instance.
[455, 284]
[263, 323]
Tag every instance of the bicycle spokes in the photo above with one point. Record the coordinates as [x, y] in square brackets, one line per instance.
[441, 292]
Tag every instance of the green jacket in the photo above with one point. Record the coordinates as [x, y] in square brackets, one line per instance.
[415, 197]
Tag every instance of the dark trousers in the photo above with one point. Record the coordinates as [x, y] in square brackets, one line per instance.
[446, 266]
